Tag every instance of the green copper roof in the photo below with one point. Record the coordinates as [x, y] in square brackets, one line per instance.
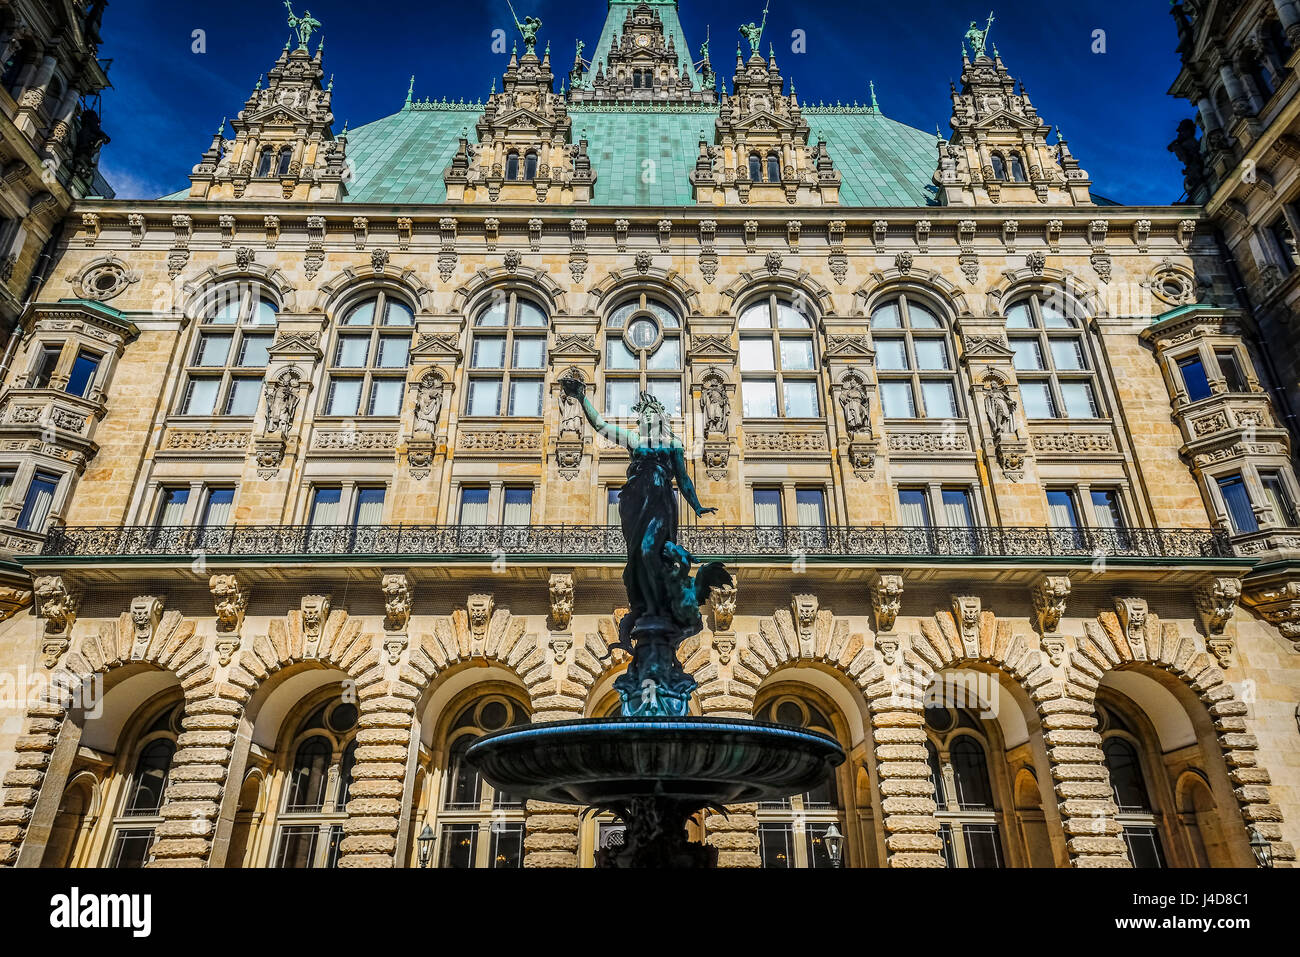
[642, 157]
[667, 10]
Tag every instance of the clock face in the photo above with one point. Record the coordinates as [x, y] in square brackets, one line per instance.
[643, 41]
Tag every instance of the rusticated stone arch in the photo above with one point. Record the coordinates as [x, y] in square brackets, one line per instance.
[49, 740]
[1150, 643]
[666, 282]
[537, 282]
[595, 660]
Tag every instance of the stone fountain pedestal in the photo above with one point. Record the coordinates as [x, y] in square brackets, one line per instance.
[655, 773]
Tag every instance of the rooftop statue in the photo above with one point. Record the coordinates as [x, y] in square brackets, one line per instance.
[305, 25]
[664, 600]
[754, 32]
[979, 39]
[528, 30]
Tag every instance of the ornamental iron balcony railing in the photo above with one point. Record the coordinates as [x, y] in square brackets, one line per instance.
[580, 542]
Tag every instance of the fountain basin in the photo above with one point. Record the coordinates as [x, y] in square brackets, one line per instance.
[606, 762]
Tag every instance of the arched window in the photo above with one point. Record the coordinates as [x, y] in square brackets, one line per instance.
[914, 356]
[318, 776]
[773, 168]
[138, 815]
[507, 358]
[755, 168]
[1141, 828]
[1052, 360]
[367, 373]
[643, 353]
[778, 360]
[530, 165]
[478, 826]
[957, 751]
[790, 832]
[286, 157]
[999, 167]
[234, 335]
[265, 161]
[512, 165]
[1017, 169]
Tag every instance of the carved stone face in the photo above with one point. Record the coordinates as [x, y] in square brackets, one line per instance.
[145, 612]
[315, 609]
[805, 610]
[968, 611]
[480, 612]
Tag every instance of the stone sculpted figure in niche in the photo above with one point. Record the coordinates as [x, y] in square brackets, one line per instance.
[428, 404]
[281, 403]
[857, 407]
[716, 407]
[1001, 412]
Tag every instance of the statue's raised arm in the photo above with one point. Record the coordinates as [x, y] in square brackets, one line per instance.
[576, 389]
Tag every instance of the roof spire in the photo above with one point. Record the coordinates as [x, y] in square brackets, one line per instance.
[875, 106]
[410, 90]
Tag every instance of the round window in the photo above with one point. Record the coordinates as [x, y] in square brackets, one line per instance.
[790, 714]
[493, 715]
[642, 333]
[938, 718]
[343, 718]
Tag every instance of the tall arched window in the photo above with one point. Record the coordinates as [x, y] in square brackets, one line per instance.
[1017, 169]
[512, 165]
[318, 777]
[755, 168]
[142, 798]
[266, 161]
[235, 332]
[778, 361]
[1052, 360]
[507, 358]
[478, 826]
[914, 356]
[957, 751]
[1128, 785]
[643, 352]
[368, 364]
[790, 832]
[530, 165]
[286, 159]
[999, 166]
[773, 168]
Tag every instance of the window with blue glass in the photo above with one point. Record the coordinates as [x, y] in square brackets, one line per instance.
[1236, 499]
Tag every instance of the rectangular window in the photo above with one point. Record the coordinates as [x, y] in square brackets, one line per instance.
[386, 397]
[344, 397]
[244, 393]
[810, 507]
[1029, 355]
[1285, 241]
[526, 397]
[43, 368]
[801, 399]
[957, 511]
[325, 504]
[216, 510]
[1080, 403]
[370, 507]
[931, 354]
[797, 355]
[200, 396]
[1106, 509]
[255, 351]
[507, 846]
[620, 396]
[171, 509]
[1060, 506]
[39, 501]
[1144, 847]
[619, 356]
[484, 397]
[1230, 369]
[297, 846]
[131, 847]
[459, 842]
[611, 506]
[489, 352]
[897, 400]
[518, 507]
[913, 508]
[667, 391]
[983, 849]
[213, 350]
[756, 355]
[474, 506]
[530, 352]
[891, 355]
[394, 352]
[940, 400]
[1279, 498]
[776, 845]
[82, 378]
[758, 397]
[1037, 400]
[1195, 381]
[1237, 501]
[767, 507]
[1068, 355]
[353, 352]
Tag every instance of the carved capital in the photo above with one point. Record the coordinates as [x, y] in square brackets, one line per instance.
[1216, 602]
[57, 604]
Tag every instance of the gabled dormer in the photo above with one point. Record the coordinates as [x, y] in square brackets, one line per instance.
[284, 146]
[523, 149]
[642, 57]
[761, 152]
[998, 152]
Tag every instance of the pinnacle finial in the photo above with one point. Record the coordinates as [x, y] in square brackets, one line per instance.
[875, 106]
[330, 86]
[410, 90]
[320, 47]
[344, 134]
[221, 130]
[259, 82]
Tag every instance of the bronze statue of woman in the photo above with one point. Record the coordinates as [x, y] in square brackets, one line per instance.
[663, 599]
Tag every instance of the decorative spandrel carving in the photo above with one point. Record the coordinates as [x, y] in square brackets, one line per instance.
[397, 602]
[561, 594]
[146, 612]
[229, 601]
[886, 600]
[1049, 595]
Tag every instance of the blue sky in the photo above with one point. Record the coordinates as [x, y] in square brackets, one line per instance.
[167, 100]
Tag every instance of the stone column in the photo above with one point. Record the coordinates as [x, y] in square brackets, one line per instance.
[1289, 18]
[29, 101]
[386, 716]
